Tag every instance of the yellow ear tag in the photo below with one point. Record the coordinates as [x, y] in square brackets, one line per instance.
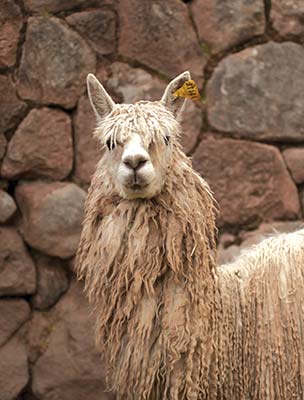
[189, 90]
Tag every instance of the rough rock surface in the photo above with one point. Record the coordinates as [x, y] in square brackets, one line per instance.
[160, 35]
[55, 62]
[250, 181]
[69, 367]
[191, 124]
[54, 6]
[52, 282]
[7, 206]
[251, 93]
[302, 198]
[11, 108]
[10, 25]
[87, 148]
[98, 27]
[287, 16]
[17, 271]
[51, 216]
[2, 146]
[39, 329]
[129, 84]
[13, 313]
[294, 158]
[41, 147]
[224, 24]
[14, 374]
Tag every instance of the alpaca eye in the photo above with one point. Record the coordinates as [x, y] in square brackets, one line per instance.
[167, 139]
[110, 144]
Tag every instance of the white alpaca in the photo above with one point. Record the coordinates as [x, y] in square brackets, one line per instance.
[169, 323]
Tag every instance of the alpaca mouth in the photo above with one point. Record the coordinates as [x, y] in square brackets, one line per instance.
[137, 186]
[137, 183]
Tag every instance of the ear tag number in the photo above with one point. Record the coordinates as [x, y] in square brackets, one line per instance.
[189, 90]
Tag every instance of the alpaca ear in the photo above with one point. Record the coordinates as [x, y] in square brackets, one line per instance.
[101, 101]
[173, 103]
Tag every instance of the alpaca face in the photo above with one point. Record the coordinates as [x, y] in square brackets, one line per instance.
[139, 138]
[136, 168]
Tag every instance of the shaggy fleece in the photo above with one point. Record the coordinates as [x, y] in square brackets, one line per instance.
[149, 269]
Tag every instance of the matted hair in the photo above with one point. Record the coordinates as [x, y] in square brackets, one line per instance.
[149, 269]
[150, 119]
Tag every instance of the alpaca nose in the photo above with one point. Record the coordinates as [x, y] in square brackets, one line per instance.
[135, 161]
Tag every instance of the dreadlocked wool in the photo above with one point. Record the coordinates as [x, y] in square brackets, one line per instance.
[142, 265]
[169, 324]
[259, 342]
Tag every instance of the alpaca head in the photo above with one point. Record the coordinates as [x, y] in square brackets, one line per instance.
[139, 138]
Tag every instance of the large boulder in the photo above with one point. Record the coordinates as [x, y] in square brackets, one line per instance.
[41, 147]
[17, 270]
[14, 374]
[287, 16]
[11, 108]
[7, 206]
[13, 313]
[160, 34]
[251, 93]
[54, 64]
[51, 216]
[224, 24]
[69, 367]
[98, 27]
[52, 282]
[10, 26]
[250, 181]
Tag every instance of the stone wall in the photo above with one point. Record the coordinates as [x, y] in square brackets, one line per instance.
[246, 138]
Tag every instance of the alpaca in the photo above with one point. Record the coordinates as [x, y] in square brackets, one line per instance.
[169, 323]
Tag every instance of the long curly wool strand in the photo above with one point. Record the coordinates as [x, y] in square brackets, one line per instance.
[171, 326]
[260, 338]
[142, 264]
